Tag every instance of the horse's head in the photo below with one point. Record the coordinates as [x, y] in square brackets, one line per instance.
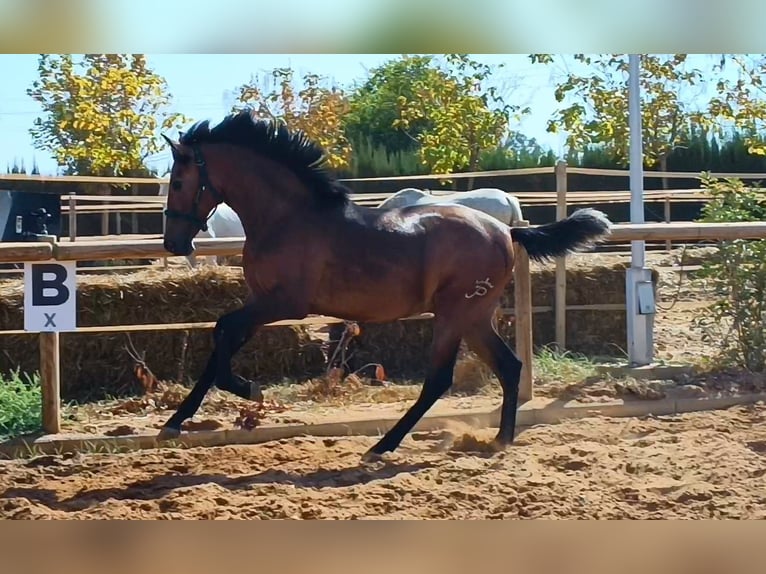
[191, 198]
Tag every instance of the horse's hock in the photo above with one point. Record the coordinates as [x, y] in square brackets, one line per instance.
[98, 364]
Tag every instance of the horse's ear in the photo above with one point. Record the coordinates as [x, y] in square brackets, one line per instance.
[175, 148]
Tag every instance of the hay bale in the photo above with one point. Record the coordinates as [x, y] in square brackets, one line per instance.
[97, 365]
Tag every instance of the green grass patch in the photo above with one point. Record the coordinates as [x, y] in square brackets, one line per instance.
[20, 404]
[551, 365]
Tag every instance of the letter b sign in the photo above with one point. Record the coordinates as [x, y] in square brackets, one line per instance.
[50, 296]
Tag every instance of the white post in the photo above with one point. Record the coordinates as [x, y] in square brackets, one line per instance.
[638, 289]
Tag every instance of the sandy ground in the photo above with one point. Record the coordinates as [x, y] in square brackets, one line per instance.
[701, 465]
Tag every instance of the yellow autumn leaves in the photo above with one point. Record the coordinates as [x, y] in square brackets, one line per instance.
[101, 113]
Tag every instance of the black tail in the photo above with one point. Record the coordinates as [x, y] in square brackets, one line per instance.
[581, 229]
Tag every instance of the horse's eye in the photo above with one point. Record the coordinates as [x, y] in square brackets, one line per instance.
[177, 185]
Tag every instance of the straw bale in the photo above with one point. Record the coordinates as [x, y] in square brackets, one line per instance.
[97, 365]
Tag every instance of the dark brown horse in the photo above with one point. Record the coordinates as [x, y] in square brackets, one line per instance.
[310, 250]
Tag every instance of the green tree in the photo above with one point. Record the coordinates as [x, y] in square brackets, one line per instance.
[375, 105]
[312, 108]
[102, 115]
[741, 103]
[594, 94]
[465, 115]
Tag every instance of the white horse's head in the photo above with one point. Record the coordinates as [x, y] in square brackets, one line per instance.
[403, 197]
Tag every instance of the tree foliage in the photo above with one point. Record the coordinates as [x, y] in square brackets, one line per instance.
[466, 116]
[375, 105]
[594, 97]
[102, 115]
[310, 107]
[737, 273]
[741, 103]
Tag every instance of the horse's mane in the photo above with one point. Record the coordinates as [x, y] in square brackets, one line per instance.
[272, 139]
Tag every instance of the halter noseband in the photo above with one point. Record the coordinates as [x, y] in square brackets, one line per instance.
[205, 184]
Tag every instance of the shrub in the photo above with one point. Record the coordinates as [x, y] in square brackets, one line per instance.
[736, 322]
[20, 404]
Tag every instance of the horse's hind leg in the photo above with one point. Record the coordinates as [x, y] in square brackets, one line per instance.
[444, 350]
[492, 350]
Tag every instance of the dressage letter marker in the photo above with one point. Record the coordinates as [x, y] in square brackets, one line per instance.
[50, 297]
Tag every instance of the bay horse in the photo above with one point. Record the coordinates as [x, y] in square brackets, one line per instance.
[310, 250]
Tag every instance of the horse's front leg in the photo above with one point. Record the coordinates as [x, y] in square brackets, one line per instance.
[231, 332]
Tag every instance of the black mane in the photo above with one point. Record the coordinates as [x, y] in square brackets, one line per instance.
[274, 140]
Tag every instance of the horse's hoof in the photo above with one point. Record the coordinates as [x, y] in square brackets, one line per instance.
[371, 456]
[168, 433]
[256, 394]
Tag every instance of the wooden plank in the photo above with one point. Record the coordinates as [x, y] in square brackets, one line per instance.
[142, 249]
[463, 175]
[18, 252]
[667, 174]
[522, 291]
[137, 198]
[130, 207]
[81, 179]
[50, 382]
[688, 231]
[308, 321]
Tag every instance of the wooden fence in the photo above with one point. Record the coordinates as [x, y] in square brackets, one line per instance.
[152, 248]
[562, 196]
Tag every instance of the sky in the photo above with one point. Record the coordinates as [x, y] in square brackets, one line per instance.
[201, 85]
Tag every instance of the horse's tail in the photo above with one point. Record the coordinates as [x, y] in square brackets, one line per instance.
[581, 229]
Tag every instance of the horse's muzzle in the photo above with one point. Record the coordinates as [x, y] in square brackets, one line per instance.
[178, 248]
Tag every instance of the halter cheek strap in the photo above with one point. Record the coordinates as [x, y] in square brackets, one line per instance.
[205, 185]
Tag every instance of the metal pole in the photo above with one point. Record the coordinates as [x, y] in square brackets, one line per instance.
[636, 157]
[638, 289]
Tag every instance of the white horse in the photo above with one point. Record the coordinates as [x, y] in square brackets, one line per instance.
[223, 223]
[490, 200]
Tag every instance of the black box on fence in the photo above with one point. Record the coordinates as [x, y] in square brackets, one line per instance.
[24, 215]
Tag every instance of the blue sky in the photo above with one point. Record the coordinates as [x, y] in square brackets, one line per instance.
[199, 84]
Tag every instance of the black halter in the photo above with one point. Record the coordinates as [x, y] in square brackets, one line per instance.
[204, 184]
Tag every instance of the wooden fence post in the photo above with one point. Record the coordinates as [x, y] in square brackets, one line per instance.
[560, 296]
[50, 382]
[134, 215]
[72, 217]
[668, 242]
[522, 293]
[104, 190]
[50, 370]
